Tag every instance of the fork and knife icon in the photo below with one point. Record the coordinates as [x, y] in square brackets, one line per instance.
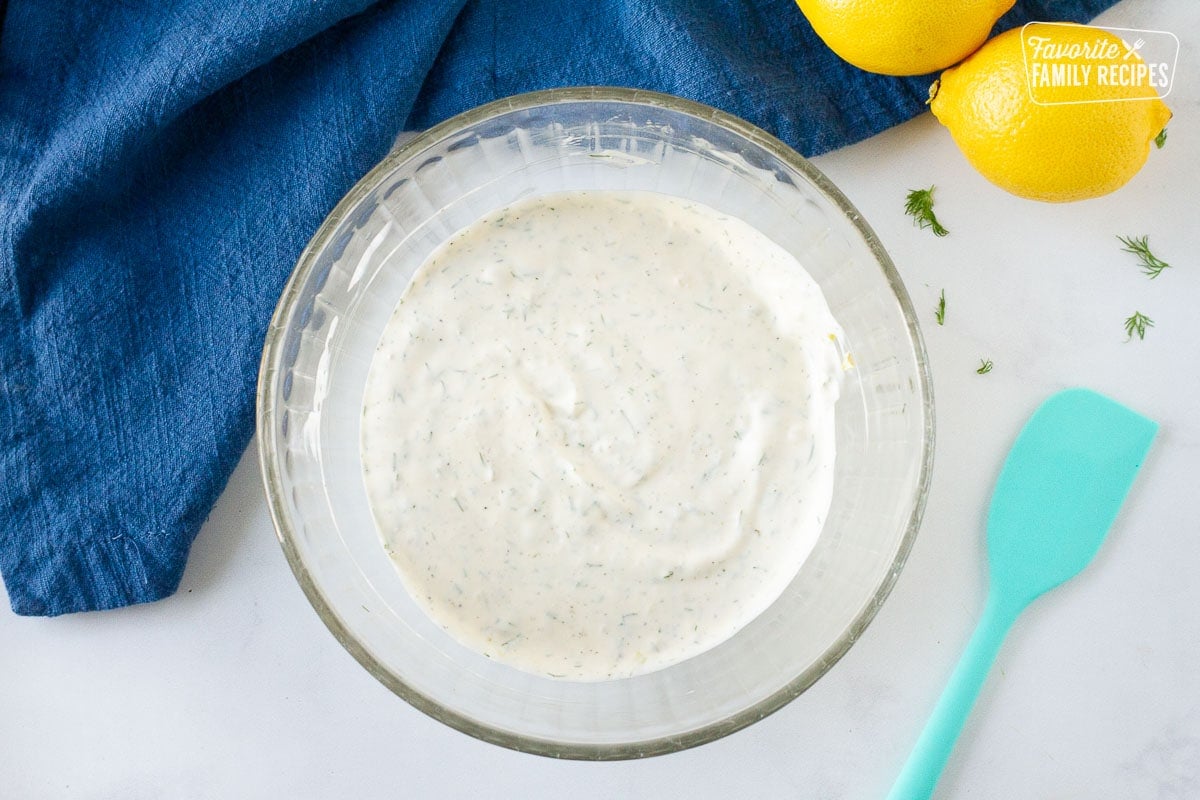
[1131, 49]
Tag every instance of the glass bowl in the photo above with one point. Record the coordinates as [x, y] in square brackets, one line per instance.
[350, 278]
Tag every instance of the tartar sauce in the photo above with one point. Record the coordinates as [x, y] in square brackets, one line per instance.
[598, 431]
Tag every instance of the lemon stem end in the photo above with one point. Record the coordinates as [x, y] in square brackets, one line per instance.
[933, 90]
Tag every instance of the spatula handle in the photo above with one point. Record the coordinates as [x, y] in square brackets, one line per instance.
[924, 766]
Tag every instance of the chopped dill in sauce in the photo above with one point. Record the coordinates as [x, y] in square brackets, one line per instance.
[597, 432]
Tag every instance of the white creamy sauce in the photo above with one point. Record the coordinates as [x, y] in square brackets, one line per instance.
[598, 431]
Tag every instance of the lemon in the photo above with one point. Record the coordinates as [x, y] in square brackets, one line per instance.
[1082, 138]
[903, 37]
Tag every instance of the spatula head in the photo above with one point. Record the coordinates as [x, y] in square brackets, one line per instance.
[1060, 489]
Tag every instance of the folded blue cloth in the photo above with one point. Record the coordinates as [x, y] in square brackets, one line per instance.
[163, 162]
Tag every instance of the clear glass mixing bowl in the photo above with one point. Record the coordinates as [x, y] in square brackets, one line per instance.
[351, 276]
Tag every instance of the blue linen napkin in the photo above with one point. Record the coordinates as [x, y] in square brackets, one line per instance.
[163, 162]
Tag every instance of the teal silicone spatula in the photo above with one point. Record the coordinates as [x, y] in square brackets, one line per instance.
[1057, 496]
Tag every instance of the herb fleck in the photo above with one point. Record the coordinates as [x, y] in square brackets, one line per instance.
[1161, 139]
[985, 366]
[940, 312]
[919, 205]
[1152, 265]
[1137, 324]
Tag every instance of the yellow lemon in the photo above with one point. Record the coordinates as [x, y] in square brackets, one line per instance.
[1070, 114]
[903, 37]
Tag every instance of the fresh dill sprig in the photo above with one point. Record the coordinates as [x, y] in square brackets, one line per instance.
[985, 366]
[940, 312]
[1137, 324]
[1161, 139]
[919, 205]
[1152, 265]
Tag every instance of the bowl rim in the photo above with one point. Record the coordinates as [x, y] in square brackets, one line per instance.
[269, 373]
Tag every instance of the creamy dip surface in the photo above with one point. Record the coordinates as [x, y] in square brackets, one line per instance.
[598, 431]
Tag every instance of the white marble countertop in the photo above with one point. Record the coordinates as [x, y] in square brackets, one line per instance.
[234, 688]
